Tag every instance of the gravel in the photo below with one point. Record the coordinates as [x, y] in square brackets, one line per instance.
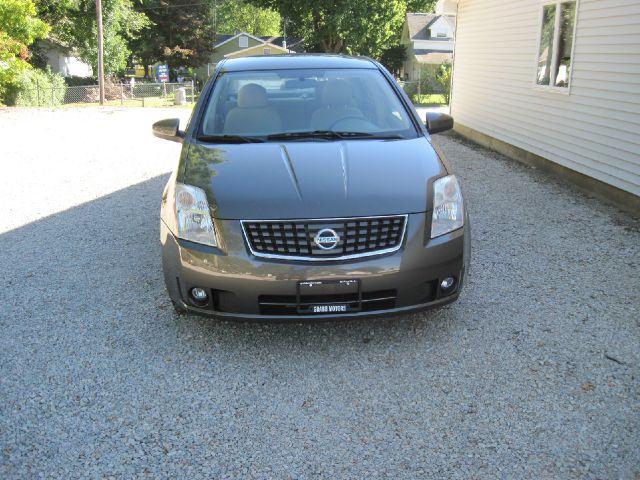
[532, 374]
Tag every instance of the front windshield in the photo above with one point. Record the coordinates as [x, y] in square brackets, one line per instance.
[290, 103]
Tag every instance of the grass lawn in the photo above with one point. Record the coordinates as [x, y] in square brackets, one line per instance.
[429, 100]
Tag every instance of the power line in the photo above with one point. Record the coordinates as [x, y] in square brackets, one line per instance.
[162, 7]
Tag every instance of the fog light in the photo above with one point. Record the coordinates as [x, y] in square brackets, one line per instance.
[448, 283]
[199, 294]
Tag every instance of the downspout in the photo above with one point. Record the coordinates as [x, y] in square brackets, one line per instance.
[453, 63]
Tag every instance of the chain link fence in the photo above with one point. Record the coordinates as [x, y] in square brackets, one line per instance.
[425, 92]
[123, 94]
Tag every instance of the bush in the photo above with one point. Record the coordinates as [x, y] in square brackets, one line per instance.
[37, 88]
[74, 81]
[411, 88]
[443, 77]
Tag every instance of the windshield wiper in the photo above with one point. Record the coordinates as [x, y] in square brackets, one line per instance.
[331, 134]
[372, 136]
[230, 139]
[310, 134]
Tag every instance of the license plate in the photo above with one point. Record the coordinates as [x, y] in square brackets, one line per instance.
[329, 296]
[328, 308]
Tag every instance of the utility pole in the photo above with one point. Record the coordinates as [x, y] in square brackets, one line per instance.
[284, 36]
[100, 51]
[214, 19]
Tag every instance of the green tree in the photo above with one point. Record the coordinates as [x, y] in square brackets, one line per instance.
[74, 25]
[363, 27]
[233, 16]
[19, 27]
[421, 6]
[181, 33]
[393, 57]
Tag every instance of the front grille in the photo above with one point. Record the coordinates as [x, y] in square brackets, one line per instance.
[288, 304]
[296, 238]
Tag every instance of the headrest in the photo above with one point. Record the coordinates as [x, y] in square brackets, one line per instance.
[337, 93]
[252, 95]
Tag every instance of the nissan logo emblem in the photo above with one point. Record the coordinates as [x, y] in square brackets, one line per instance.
[327, 239]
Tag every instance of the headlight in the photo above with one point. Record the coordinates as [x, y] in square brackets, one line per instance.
[192, 215]
[448, 208]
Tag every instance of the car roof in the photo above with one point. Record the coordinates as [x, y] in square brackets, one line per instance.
[295, 61]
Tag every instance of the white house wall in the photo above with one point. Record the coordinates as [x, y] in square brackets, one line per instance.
[73, 66]
[442, 26]
[67, 65]
[445, 46]
[593, 128]
[446, 7]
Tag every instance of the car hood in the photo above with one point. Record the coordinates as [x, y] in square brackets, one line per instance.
[318, 179]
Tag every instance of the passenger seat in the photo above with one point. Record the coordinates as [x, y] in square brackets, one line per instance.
[252, 115]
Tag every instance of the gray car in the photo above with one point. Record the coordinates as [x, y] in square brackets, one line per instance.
[308, 188]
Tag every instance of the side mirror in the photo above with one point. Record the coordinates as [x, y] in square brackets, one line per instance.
[169, 129]
[438, 122]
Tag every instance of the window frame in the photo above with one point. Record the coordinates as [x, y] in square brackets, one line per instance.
[556, 34]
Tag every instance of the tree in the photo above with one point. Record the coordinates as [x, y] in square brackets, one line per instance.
[353, 26]
[393, 57]
[181, 33]
[420, 6]
[74, 25]
[19, 27]
[233, 16]
[362, 27]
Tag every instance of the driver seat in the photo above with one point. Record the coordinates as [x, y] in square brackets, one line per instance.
[336, 100]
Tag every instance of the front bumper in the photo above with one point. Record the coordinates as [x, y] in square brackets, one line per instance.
[244, 286]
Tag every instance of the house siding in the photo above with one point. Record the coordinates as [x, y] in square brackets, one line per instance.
[258, 50]
[230, 47]
[219, 53]
[593, 128]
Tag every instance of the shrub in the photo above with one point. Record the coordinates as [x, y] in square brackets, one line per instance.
[75, 81]
[37, 88]
[411, 88]
[443, 77]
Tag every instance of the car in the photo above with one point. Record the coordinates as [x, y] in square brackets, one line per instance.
[309, 188]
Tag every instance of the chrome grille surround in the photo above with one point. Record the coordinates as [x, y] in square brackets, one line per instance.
[294, 239]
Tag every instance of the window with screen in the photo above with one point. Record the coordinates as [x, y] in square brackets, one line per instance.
[558, 20]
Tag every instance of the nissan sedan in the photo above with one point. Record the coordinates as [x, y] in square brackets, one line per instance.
[308, 187]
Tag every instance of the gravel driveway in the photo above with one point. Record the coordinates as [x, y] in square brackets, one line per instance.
[532, 374]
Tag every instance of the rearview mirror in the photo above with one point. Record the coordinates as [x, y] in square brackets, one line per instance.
[169, 129]
[438, 122]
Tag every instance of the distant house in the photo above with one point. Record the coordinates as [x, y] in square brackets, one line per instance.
[559, 87]
[244, 44]
[62, 60]
[429, 40]
[265, 48]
